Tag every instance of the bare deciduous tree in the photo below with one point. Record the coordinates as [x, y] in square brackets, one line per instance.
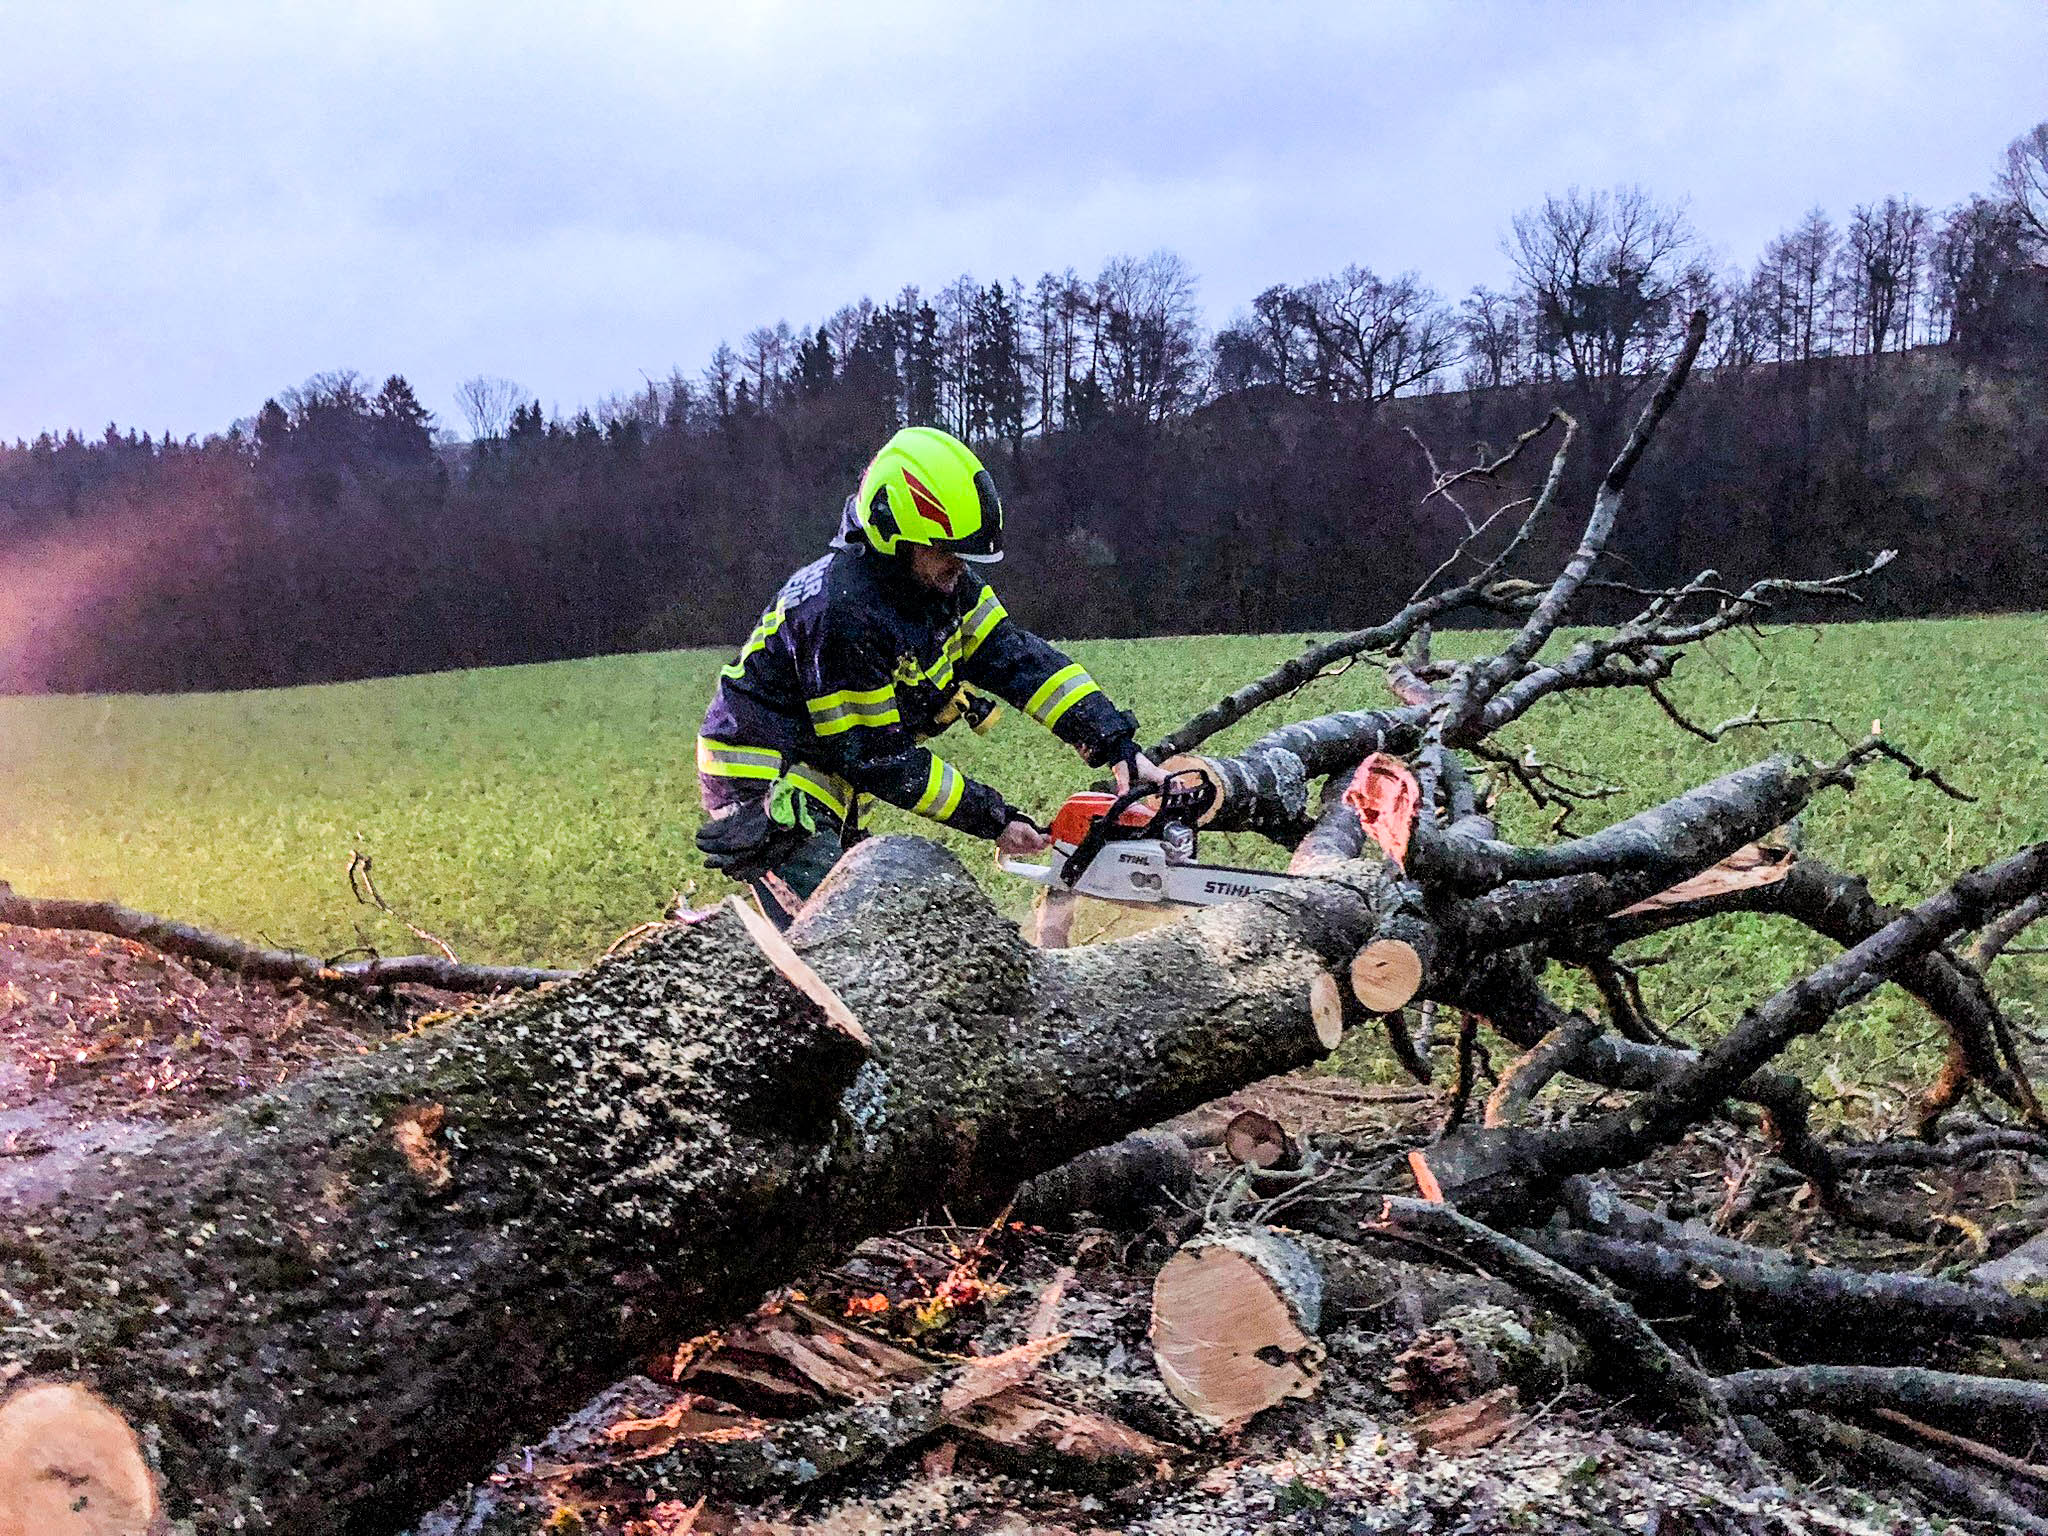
[1375, 337]
[1793, 289]
[1149, 332]
[1491, 324]
[487, 404]
[1605, 274]
[1881, 259]
[2023, 179]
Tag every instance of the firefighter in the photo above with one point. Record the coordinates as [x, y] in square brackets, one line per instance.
[866, 653]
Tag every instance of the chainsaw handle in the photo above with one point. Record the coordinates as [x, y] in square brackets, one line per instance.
[1037, 874]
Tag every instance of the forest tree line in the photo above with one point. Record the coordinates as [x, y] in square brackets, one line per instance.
[1874, 383]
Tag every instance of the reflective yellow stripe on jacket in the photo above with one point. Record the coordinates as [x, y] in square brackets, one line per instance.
[980, 621]
[770, 622]
[828, 789]
[1060, 693]
[942, 790]
[727, 760]
[842, 711]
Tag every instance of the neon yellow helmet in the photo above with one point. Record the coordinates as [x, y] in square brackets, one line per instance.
[927, 487]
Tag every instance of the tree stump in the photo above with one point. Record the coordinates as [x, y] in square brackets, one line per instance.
[1234, 1317]
[70, 1466]
[1257, 1138]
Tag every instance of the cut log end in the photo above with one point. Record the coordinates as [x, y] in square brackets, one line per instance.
[1386, 974]
[1188, 762]
[1259, 1139]
[798, 973]
[70, 1466]
[1326, 1008]
[1233, 1323]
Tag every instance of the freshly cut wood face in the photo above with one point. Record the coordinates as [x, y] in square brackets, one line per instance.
[1228, 1330]
[1385, 974]
[1188, 762]
[1258, 1139]
[1326, 1008]
[70, 1466]
[797, 971]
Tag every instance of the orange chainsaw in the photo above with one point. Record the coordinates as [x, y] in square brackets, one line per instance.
[1115, 849]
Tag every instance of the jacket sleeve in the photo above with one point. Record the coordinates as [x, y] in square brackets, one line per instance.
[1002, 656]
[845, 673]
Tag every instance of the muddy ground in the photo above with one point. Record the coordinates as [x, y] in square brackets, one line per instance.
[102, 1043]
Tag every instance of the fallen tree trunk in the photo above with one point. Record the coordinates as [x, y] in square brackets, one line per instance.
[334, 1302]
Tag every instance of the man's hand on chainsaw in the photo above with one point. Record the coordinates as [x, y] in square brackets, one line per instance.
[1147, 771]
[1020, 838]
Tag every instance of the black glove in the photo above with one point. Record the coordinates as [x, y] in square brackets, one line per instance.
[1119, 747]
[747, 843]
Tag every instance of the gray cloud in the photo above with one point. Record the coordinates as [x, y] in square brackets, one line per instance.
[201, 205]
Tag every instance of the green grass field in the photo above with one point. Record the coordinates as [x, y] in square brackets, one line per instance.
[533, 813]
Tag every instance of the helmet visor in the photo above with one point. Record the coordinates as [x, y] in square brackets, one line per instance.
[985, 545]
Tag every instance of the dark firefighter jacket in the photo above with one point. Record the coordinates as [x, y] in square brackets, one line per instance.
[854, 662]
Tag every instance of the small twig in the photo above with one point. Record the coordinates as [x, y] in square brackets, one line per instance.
[359, 863]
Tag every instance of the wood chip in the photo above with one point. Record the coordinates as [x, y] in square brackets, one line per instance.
[1466, 1427]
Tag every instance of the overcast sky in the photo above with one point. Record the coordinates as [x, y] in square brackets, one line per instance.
[201, 204]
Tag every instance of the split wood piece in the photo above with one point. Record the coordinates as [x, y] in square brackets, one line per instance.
[1944, 1484]
[1858, 1309]
[1234, 1318]
[1466, 1427]
[845, 1364]
[755, 1458]
[1258, 1139]
[70, 1466]
[1120, 1184]
[169, 937]
[1632, 1353]
[1554, 1053]
[1045, 1316]
[1748, 867]
[798, 973]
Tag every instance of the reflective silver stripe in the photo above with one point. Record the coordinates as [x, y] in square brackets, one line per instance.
[726, 760]
[1058, 693]
[829, 790]
[844, 717]
[1068, 697]
[944, 785]
[842, 711]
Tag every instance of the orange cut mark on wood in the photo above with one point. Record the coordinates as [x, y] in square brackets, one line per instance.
[1386, 796]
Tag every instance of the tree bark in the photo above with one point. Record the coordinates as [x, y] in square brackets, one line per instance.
[332, 1303]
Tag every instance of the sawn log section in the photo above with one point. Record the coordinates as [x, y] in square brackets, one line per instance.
[331, 1304]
